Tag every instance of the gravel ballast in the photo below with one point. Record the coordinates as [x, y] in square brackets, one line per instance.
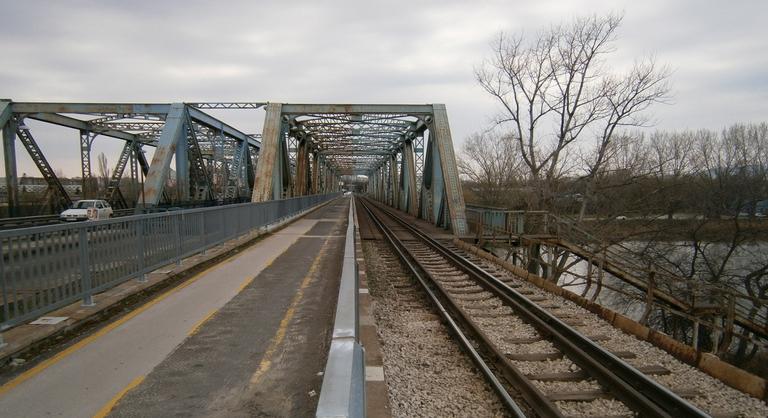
[712, 395]
[427, 375]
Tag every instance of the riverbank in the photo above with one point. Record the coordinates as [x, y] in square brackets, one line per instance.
[719, 230]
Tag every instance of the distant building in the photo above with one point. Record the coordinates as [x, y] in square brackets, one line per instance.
[38, 185]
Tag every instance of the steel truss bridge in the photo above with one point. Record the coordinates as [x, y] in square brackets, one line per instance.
[406, 152]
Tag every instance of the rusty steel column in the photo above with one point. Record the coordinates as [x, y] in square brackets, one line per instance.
[410, 202]
[8, 126]
[394, 181]
[326, 179]
[303, 181]
[320, 174]
[88, 186]
[455, 198]
[161, 160]
[301, 169]
[371, 183]
[315, 172]
[382, 184]
[182, 166]
[266, 170]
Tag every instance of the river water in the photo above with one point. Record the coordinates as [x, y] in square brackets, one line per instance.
[713, 262]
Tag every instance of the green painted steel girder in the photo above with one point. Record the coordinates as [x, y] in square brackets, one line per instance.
[34, 107]
[69, 122]
[299, 109]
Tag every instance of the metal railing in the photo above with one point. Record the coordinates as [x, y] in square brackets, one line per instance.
[47, 267]
[485, 221]
[343, 390]
[663, 288]
[31, 221]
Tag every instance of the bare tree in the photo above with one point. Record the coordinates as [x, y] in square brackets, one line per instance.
[490, 164]
[555, 88]
[103, 170]
[624, 99]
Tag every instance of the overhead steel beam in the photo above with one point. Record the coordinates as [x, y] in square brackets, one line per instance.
[33, 107]
[297, 109]
[47, 112]
[83, 126]
[213, 123]
[228, 105]
[362, 153]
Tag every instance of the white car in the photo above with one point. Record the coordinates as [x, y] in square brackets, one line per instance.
[84, 210]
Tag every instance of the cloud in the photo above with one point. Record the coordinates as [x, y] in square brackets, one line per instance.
[352, 51]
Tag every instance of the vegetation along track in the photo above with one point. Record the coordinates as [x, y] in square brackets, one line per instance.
[523, 350]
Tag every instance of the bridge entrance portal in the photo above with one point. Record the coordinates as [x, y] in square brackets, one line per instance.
[406, 152]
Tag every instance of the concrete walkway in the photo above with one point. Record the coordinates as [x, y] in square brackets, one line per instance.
[211, 346]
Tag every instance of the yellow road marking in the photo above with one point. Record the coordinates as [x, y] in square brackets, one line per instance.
[266, 360]
[34, 371]
[93, 337]
[200, 323]
[248, 281]
[106, 409]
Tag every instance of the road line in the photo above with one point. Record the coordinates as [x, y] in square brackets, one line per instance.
[24, 386]
[106, 409]
[200, 323]
[105, 330]
[266, 360]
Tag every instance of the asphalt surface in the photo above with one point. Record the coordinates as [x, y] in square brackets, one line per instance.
[244, 338]
[262, 353]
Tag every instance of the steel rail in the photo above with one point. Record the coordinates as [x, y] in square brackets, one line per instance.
[637, 390]
[419, 273]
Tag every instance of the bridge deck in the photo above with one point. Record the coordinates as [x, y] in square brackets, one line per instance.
[246, 337]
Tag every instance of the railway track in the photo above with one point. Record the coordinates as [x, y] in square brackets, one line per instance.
[537, 363]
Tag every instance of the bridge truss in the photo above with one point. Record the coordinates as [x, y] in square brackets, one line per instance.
[405, 151]
[213, 160]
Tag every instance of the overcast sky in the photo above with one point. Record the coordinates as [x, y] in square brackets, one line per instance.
[355, 52]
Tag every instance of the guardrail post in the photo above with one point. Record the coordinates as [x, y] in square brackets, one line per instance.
[142, 276]
[85, 268]
[6, 299]
[202, 232]
[177, 233]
